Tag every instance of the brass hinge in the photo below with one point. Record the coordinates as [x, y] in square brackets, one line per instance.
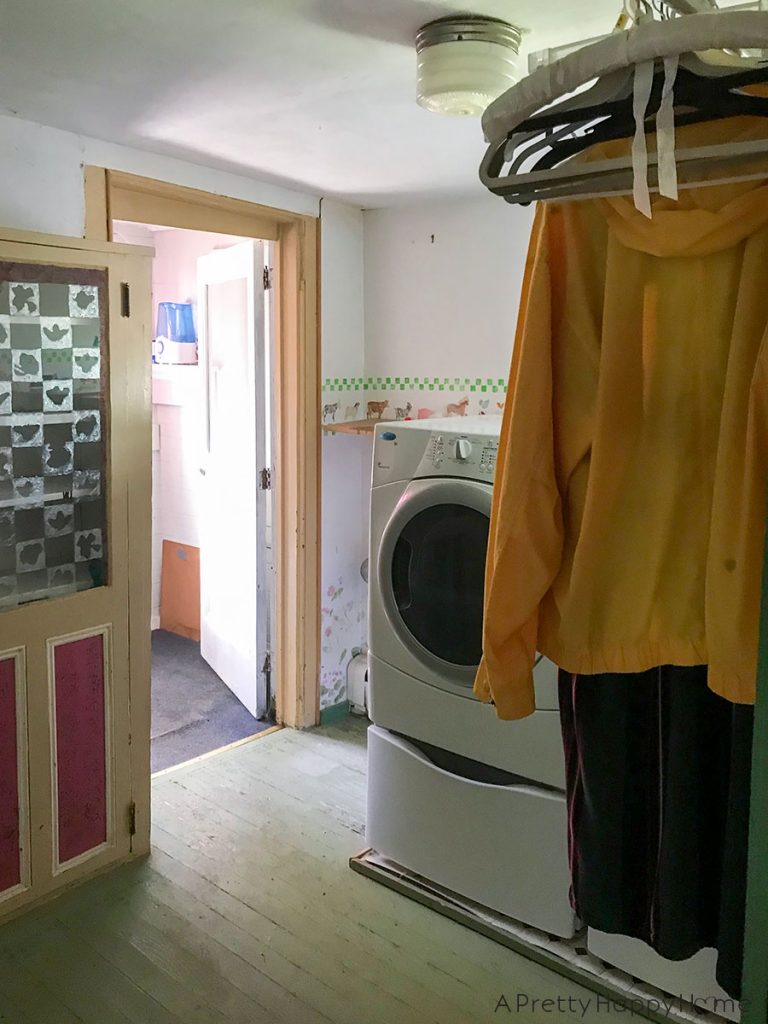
[267, 278]
[265, 479]
[132, 819]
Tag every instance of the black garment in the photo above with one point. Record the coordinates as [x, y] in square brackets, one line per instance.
[658, 777]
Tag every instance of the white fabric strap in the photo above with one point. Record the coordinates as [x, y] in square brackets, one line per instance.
[665, 131]
[641, 96]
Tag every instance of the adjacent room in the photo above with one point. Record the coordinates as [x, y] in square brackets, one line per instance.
[383, 474]
[210, 687]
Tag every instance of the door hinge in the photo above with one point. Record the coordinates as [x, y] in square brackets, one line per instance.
[125, 299]
[267, 278]
[265, 479]
[266, 668]
[132, 819]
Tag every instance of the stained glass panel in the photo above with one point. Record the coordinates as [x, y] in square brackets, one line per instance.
[53, 355]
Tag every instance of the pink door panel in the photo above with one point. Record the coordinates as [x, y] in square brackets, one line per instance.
[81, 746]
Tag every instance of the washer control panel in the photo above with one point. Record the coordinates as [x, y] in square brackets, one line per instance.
[435, 448]
[460, 455]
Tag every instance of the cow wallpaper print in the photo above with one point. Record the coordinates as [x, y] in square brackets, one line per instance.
[53, 350]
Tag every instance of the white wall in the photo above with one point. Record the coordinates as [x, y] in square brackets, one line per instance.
[41, 177]
[346, 459]
[442, 289]
[438, 309]
[441, 296]
[342, 319]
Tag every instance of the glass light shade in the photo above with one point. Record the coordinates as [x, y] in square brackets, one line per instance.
[462, 78]
[464, 62]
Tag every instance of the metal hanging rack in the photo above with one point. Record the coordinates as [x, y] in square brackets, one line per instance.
[662, 9]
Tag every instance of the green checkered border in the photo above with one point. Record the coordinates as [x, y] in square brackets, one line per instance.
[464, 384]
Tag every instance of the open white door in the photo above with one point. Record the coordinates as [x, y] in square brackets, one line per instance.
[234, 609]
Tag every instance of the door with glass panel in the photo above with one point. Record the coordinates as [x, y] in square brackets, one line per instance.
[74, 514]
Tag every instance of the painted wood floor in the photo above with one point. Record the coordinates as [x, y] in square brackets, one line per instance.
[247, 912]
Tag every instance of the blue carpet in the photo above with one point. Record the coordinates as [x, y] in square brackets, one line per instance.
[193, 712]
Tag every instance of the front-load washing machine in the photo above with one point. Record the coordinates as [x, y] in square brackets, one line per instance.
[454, 794]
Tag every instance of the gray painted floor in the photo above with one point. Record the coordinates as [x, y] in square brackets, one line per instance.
[193, 712]
[247, 913]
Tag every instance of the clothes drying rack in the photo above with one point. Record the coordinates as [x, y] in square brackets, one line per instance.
[539, 127]
[500, 122]
[701, 22]
[665, 8]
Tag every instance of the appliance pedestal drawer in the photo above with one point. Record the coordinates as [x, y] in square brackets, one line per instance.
[503, 846]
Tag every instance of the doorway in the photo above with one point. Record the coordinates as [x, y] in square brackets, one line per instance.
[112, 195]
[212, 566]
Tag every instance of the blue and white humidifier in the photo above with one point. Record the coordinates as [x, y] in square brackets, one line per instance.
[175, 341]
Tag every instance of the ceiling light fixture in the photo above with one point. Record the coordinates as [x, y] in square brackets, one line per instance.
[465, 62]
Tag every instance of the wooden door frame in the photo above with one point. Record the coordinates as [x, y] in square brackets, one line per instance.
[115, 195]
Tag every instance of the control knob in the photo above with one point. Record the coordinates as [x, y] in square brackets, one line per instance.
[463, 449]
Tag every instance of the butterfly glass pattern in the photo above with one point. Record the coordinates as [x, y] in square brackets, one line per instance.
[53, 352]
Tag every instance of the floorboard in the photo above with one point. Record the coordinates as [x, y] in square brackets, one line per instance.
[247, 912]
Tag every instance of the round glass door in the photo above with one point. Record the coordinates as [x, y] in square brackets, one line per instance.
[438, 571]
[431, 575]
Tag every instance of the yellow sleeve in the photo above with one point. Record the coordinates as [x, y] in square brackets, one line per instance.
[526, 530]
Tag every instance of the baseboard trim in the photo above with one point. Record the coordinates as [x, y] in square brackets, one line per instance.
[334, 713]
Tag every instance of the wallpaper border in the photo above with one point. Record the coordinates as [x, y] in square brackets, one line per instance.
[472, 384]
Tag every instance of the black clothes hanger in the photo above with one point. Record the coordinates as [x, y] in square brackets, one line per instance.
[698, 98]
[546, 116]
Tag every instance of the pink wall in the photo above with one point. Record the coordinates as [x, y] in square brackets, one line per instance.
[176, 466]
[176, 463]
[174, 270]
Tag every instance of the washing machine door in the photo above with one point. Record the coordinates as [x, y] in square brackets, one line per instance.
[431, 572]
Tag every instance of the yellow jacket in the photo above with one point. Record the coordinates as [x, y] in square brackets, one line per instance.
[630, 500]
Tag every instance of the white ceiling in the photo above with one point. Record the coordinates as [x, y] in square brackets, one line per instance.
[318, 94]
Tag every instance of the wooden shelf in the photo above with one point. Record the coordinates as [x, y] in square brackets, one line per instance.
[354, 426]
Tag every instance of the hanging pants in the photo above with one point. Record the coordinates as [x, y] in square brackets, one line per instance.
[658, 775]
